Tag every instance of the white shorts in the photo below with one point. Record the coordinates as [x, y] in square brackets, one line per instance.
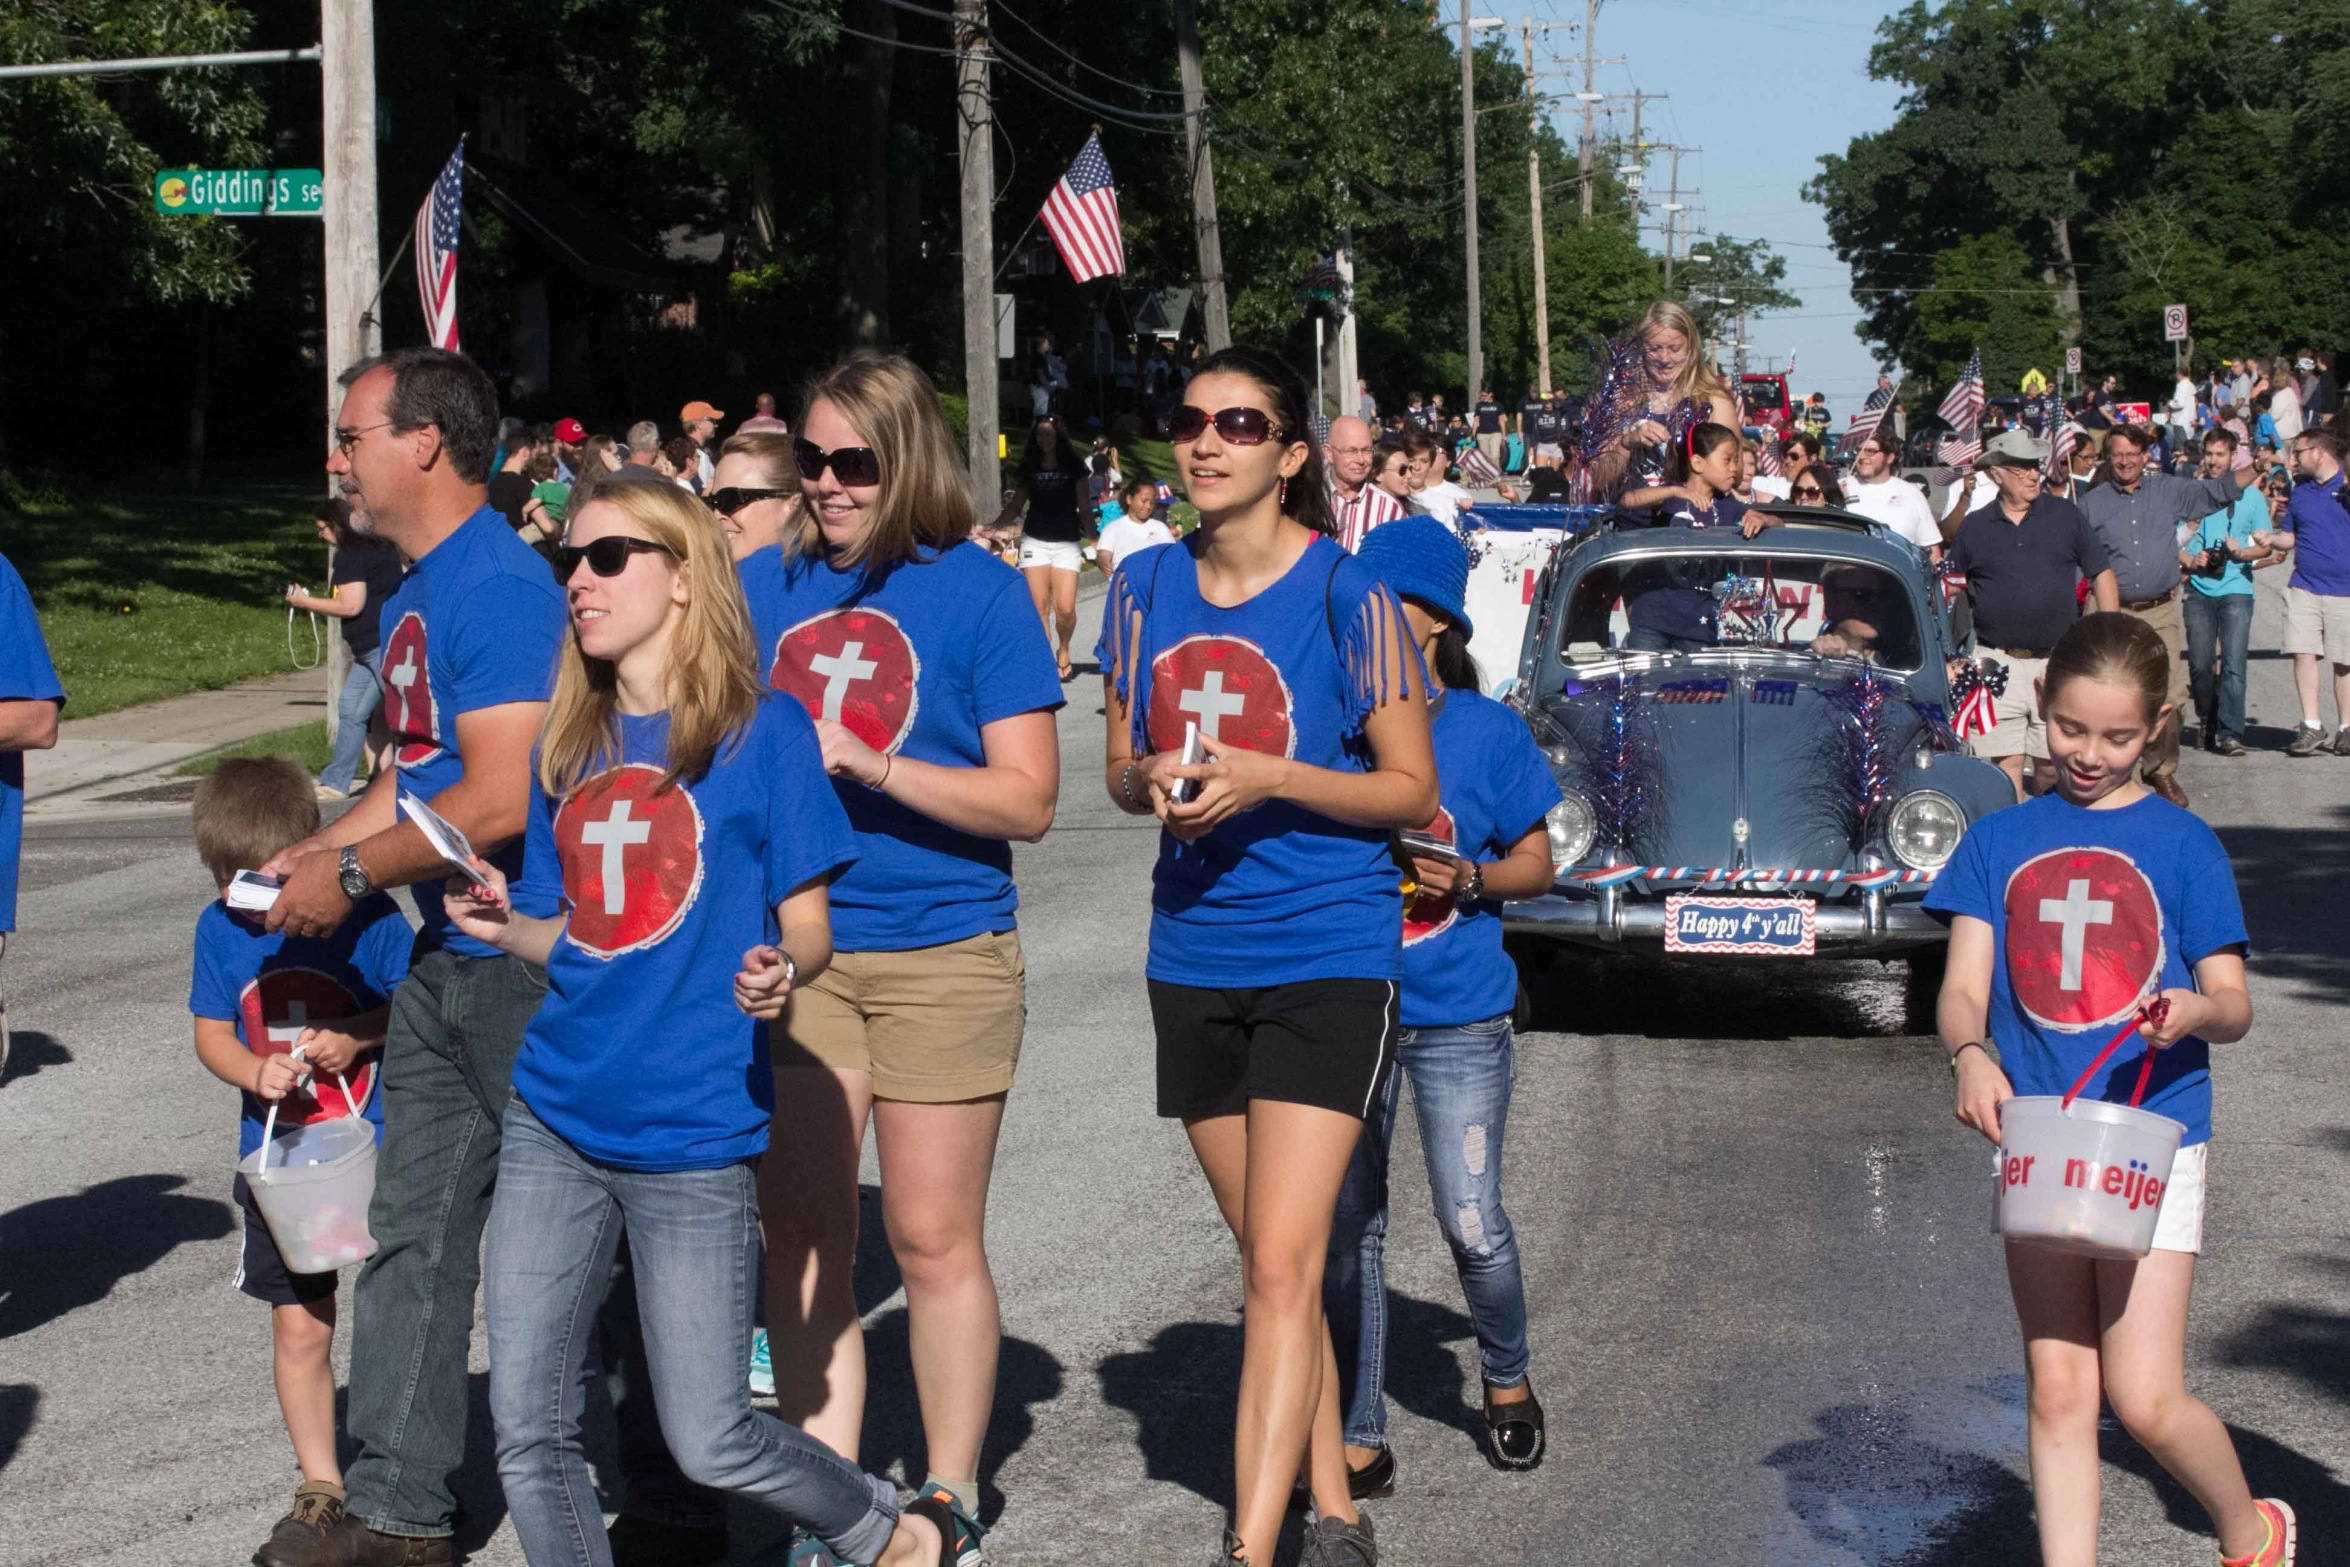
[1550, 449]
[1060, 554]
[2317, 623]
[2178, 1224]
[2021, 731]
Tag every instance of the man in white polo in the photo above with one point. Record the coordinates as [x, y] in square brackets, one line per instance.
[1880, 495]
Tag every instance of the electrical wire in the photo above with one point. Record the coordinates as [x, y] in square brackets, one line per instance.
[1148, 92]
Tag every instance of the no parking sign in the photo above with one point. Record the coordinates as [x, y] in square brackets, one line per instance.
[2174, 323]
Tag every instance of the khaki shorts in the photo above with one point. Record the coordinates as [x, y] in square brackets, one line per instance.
[2021, 731]
[2317, 623]
[935, 1025]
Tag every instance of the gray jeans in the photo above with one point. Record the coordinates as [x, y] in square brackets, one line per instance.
[448, 1070]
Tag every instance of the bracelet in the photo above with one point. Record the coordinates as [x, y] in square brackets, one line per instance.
[1972, 1044]
[888, 759]
[1126, 783]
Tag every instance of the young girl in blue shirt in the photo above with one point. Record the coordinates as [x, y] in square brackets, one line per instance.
[1457, 1045]
[682, 816]
[1276, 912]
[2069, 914]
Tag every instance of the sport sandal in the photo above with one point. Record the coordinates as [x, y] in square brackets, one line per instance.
[1514, 1434]
[2283, 1537]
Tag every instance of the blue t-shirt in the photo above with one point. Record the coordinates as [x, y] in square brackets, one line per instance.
[26, 675]
[272, 987]
[2321, 537]
[2095, 912]
[914, 660]
[2235, 525]
[639, 1057]
[1494, 785]
[477, 624]
[1277, 894]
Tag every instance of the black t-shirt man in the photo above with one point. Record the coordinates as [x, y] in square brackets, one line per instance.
[509, 493]
[2021, 575]
[1546, 487]
[378, 565]
[1488, 416]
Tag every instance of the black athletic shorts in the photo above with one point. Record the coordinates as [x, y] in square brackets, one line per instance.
[1323, 1042]
[261, 1267]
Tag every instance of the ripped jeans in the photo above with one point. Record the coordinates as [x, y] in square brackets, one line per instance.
[1461, 1093]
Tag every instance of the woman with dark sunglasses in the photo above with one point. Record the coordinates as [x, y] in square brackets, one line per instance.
[755, 492]
[1276, 913]
[1049, 486]
[921, 659]
[1815, 485]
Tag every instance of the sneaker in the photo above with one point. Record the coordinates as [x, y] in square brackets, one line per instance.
[1330, 1543]
[2227, 745]
[301, 1534]
[969, 1540]
[2307, 742]
[2342, 741]
[2283, 1538]
[1229, 1553]
[762, 1366]
[808, 1551]
[328, 794]
[646, 1542]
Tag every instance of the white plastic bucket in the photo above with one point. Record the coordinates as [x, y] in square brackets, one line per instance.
[2087, 1177]
[313, 1186]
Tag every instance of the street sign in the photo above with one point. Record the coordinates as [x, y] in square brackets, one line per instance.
[2072, 361]
[2174, 323]
[253, 193]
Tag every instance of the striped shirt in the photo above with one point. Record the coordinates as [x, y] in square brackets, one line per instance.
[1371, 507]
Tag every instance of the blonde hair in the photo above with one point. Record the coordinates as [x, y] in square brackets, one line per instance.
[924, 501]
[781, 469]
[714, 685]
[1697, 381]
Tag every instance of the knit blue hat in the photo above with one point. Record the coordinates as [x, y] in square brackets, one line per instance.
[1420, 558]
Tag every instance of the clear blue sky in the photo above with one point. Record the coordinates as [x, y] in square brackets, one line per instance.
[1765, 89]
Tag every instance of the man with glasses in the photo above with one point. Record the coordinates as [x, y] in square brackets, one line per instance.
[2137, 516]
[2022, 554]
[1880, 495]
[469, 642]
[2218, 602]
[1358, 504]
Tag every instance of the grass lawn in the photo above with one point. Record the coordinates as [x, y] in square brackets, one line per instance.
[153, 591]
[305, 743]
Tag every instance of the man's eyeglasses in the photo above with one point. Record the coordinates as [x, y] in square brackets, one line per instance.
[730, 500]
[346, 439]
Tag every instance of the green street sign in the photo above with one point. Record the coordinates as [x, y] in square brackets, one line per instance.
[263, 193]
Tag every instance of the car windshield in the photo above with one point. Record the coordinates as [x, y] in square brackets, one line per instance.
[1700, 602]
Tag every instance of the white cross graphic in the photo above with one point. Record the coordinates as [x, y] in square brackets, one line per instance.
[2076, 911]
[290, 1031]
[403, 676]
[613, 835]
[1212, 703]
[840, 673]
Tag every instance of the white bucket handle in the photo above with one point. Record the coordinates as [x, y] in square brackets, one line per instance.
[269, 1126]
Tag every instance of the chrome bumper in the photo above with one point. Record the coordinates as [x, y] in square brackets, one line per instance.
[1610, 919]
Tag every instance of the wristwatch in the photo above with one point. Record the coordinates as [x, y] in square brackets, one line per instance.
[1472, 884]
[356, 882]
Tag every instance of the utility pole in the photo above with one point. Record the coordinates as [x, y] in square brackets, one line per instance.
[1589, 97]
[1534, 200]
[1469, 207]
[346, 41]
[1673, 212]
[975, 118]
[1203, 175]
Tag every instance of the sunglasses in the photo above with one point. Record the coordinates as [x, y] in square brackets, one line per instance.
[856, 465]
[1240, 426]
[1810, 492]
[730, 500]
[606, 557]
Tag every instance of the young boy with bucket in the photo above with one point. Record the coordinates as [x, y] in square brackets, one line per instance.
[2095, 908]
[257, 999]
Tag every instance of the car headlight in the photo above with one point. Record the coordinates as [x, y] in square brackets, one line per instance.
[1924, 829]
[1572, 827]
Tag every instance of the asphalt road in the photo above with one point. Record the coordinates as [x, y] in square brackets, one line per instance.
[1769, 1320]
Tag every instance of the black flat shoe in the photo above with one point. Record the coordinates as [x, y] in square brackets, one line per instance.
[1374, 1480]
[1514, 1437]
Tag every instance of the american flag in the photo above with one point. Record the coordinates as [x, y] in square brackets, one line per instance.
[1872, 413]
[1962, 410]
[436, 252]
[2061, 440]
[1476, 467]
[1767, 461]
[1082, 216]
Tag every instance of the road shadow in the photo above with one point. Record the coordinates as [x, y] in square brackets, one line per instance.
[20, 1406]
[2319, 1501]
[1872, 1486]
[60, 1254]
[1655, 997]
[2292, 878]
[2303, 1341]
[1027, 1375]
[481, 1498]
[1424, 1374]
[29, 1050]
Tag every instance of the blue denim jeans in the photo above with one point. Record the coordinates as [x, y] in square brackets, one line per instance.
[363, 693]
[2219, 633]
[693, 1236]
[1460, 1081]
[448, 1073]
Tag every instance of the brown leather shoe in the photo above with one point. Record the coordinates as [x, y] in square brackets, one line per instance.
[300, 1534]
[351, 1543]
[2167, 785]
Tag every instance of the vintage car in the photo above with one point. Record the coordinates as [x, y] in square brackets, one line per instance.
[1753, 737]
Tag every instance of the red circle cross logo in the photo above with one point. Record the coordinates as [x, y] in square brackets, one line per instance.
[856, 667]
[632, 859]
[275, 1008]
[1229, 688]
[1431, 913]
[2084, 937]
[408, 704]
